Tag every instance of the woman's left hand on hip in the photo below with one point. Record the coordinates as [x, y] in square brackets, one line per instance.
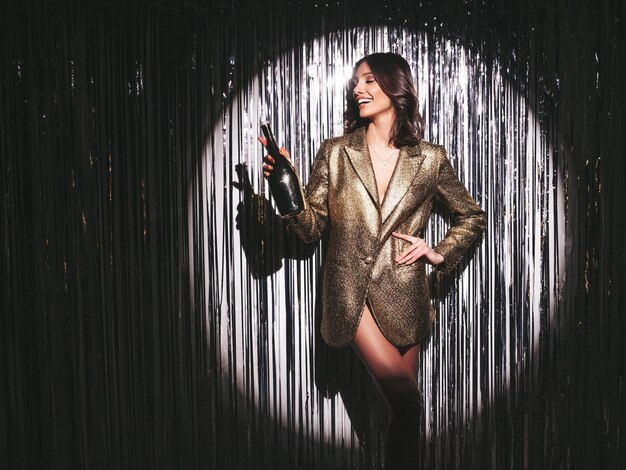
[416, 250]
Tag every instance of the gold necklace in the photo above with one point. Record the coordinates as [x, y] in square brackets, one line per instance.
[382, 160]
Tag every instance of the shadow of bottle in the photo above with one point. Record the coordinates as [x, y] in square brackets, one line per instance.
[264, 237]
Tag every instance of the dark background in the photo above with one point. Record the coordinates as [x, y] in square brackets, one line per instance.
[104, 109]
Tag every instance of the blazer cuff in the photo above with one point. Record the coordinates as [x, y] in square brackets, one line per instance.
[451, 257]
[295, 216]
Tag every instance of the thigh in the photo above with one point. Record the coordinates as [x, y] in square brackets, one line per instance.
[383, 359]
[410, 357]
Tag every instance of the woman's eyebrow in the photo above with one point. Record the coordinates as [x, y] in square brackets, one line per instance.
[364, 75]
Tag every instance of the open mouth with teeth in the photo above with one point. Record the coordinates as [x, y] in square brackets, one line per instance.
[361, 101]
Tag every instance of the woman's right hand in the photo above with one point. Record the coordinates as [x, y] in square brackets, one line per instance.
[269, 160]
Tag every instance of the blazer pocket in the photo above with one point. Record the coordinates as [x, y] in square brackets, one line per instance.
[416, 266]
[334, 261]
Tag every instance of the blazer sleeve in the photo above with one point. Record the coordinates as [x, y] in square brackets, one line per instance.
[469, 220]
[310, 223]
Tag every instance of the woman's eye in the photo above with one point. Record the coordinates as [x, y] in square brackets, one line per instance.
[370, 80]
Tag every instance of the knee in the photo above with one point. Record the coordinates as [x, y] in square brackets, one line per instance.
[403, 395]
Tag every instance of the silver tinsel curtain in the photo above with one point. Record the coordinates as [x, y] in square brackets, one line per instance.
[155, 313]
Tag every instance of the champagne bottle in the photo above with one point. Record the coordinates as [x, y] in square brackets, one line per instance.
[283, 180]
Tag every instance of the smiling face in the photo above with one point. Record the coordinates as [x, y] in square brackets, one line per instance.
[373, 103]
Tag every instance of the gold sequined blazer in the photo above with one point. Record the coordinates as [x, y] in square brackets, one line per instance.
[359, 267]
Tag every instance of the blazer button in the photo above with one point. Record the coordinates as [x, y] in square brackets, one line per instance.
[368, 260]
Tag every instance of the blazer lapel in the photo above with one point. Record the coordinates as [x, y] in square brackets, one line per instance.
[409, 162]
[360, 158]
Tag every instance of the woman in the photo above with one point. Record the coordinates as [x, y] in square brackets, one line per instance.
[372, 191]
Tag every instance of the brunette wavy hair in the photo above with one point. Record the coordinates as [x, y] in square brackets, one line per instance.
[393, 75]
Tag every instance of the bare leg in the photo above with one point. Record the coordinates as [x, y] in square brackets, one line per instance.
[395, 372]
